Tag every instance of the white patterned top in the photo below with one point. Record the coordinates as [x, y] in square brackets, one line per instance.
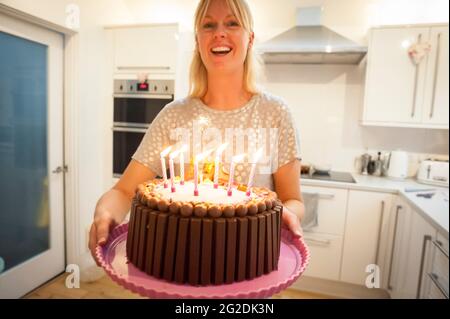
[263, 122]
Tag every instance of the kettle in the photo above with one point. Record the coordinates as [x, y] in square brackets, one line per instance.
[398, 165]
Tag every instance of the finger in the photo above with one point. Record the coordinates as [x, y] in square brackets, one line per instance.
[93, 243]
[103, 226]
[293, 223]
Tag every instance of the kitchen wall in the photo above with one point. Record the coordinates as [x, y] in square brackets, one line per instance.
[325, 100]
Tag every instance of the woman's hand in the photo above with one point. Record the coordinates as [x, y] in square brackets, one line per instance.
[98, 235]
[114, 205]
[292, 221]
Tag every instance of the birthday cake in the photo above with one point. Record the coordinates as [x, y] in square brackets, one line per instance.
[213, 238]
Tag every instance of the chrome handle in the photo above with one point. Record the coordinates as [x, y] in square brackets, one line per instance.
[321, 195]
[379, 232]
[393, 246]
[129, 129]
[60, 169]
[438, 245]
[422, 261]
[434, 279]
[324, 242]
[149, 96]
[416, 76]
[143, 67]
[436, 69]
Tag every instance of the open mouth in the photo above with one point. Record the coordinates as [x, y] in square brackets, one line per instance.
[221, 51]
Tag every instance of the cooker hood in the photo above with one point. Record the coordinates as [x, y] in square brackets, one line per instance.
[309, 42]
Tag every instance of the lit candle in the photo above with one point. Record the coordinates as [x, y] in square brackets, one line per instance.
[219, 151]
[234, 160]
[253, 170]
[197, 159]
[172, 170]
[182, 150]
[163, 164]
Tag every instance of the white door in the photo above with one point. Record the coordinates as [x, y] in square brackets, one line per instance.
[436, 106]
[394, 85]
[362, 242]
[31, 148]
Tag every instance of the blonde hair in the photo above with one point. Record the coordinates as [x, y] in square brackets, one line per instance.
[198, 79]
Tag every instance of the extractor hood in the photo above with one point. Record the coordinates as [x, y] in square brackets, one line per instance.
[309, 42]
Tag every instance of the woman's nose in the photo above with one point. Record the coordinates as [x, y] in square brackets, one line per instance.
[220, 32]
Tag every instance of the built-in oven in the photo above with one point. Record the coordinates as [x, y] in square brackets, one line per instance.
[136, 104]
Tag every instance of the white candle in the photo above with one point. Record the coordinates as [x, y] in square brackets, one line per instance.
[163, 164]
[219, 151]
[172, 170]
[182, 150]
[253, 170]
[234, 160]
[196, 176]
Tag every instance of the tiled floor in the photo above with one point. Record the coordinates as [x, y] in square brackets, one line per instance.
[106, 288]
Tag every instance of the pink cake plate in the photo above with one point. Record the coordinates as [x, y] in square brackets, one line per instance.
[294, 257]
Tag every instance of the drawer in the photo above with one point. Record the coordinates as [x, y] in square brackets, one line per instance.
[326, 255]
[332, 205]
[440, 265]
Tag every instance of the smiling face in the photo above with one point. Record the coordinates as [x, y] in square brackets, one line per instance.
[222, 40]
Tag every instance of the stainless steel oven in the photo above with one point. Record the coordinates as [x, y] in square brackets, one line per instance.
[136, 104]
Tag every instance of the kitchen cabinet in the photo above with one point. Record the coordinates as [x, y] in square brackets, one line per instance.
[325, 239]
[366, 226]
[395, 277]
[399, 92]
[151, 48]
[418, 257]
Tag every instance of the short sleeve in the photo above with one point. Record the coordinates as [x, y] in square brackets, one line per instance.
[288, 138]
[155, 140]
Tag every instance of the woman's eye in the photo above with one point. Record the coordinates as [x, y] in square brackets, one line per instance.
[233, 24]
[207, 26]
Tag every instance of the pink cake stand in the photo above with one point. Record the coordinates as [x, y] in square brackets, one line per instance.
[294, 257]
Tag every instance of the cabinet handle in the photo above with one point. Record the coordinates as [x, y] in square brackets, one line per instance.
[323, 242]
[143, 67]
[393, 246]
[436, 69]
[438, 245]
[426, 238]
[416, 75]
[379, 231]
[434, 279]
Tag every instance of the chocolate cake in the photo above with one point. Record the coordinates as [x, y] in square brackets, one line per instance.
[210, 239]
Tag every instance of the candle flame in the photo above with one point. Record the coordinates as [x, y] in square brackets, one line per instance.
[174, 154]
[257, 155]
[238, 158]
[183, 148]
[203, 155]
[166, 151]
[221, 148]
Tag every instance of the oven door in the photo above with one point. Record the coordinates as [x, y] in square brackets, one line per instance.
[125, 142]
[138, 110]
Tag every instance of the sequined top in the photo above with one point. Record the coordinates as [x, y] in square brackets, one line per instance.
[264, 122]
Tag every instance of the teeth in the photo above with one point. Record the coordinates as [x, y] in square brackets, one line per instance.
[221, 49]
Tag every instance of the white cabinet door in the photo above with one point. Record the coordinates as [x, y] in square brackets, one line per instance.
[326, 252]
[325, 239]
[366, 215]
[419, 248]
[331, 208]
[394, 85]
[400, 224]
[436, 104]
[147, 47]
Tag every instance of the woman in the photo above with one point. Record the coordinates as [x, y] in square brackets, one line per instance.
[223, 92]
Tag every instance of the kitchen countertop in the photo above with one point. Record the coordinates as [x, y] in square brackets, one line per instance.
[435, 210]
